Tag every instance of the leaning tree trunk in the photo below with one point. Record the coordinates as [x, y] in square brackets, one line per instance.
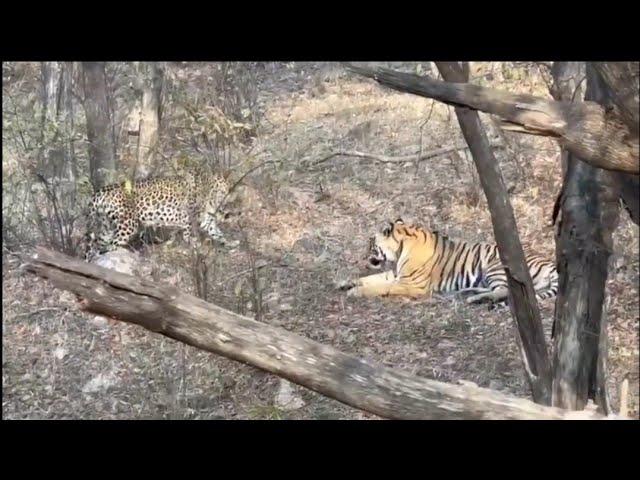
[102, 162]
[589, 215]
[524, 306]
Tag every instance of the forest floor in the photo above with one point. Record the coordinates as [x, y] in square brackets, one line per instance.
[308, 226]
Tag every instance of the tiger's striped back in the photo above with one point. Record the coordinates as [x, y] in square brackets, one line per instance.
[458, 265]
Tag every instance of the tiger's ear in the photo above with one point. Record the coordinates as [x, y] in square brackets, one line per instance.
[399, 220]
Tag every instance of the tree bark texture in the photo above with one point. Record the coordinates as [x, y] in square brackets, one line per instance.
[149, 130]
[589, 215]
[50, 93]
[606, 138]
[362, 384]
[629, 188]
[102, 162]
[620, 85]
[71, 165]
[568, 86]
[522, 300]
[621, 82]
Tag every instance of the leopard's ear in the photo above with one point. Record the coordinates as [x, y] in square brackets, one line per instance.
[399, 221]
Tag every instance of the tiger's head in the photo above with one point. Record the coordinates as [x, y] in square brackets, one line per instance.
[386, 245]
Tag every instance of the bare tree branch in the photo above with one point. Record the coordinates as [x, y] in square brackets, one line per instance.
[605, 138]
[389, 159]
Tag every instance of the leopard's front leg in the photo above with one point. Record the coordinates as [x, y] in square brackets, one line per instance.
[210, 226]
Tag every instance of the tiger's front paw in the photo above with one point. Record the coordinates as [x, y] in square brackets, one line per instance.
[353, 292]
[348, 286]
[345, 285]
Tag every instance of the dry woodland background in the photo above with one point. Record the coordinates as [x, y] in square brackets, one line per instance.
[304, 224]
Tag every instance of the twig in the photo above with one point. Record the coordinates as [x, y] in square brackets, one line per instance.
[251, 170]
[54, 201]
[424, 124]
[40, 310]
[577, 88]
[249, 270]
[388, 159]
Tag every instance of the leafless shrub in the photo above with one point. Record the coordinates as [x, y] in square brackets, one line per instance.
[216, 111]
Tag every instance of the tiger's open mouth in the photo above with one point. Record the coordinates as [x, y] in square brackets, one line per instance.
[375, 262]
[376, 258]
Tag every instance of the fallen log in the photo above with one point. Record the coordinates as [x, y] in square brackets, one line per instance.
[386, 392]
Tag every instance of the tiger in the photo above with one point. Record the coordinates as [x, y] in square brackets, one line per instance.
[429, 262]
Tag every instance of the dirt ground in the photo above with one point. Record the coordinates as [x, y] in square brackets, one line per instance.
[307, 225]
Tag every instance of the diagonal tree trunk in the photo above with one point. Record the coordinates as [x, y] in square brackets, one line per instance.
[522, 300]
[606, 138]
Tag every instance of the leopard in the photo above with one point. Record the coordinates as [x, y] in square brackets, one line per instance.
[119, 213]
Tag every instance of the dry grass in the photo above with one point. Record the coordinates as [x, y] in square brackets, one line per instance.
[310, 228]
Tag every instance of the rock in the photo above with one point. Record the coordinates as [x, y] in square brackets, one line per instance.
[285, 307]
[449, 361]
[446, 344]
[120, 260]
[348, 337]
[68, 298]
[286, 399]
[99, 321]
[272, 301]
[246, 199]
[496, 385]
[60, 353]
[99, 383]
[307, 243]
[468, 383]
